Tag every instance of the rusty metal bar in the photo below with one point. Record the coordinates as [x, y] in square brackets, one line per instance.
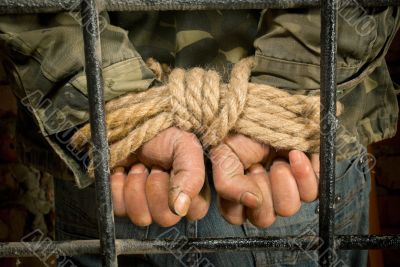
[93, 60]
[328, 132]
[207, 245]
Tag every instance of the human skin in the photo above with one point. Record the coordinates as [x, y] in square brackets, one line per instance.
[167, 178]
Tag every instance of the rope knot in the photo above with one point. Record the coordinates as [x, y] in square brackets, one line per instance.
[201, 103]
[197, 100]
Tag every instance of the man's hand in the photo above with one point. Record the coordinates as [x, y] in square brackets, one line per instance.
[245, 189]
[165, 182]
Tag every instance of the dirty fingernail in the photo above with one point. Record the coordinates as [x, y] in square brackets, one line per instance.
[138, 169]
[182, 204]
[118, 170]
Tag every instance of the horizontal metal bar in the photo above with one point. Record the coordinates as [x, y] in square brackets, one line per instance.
[42, 6]
[356, 242]
[179, 245]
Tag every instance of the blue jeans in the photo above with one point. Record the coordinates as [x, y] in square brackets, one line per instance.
[76, 219]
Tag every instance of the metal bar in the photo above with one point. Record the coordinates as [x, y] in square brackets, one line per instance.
[207, 245]
[347, 242]
[328, 132]
[93, 60]
[41, 6]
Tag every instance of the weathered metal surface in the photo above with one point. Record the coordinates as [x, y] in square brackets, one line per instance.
[179, 245]
[368, 242]
[328, 132]
[99, 142]
[39, 6]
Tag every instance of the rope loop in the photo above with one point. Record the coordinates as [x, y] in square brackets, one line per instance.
[197, 100]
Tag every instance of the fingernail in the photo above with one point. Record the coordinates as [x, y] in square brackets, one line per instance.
[119, 170]
[182, 204]
[249, 200]
[256, 169]
[156, 170]
[138, 169]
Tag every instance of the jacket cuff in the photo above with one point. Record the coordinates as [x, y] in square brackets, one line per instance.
[60, 113]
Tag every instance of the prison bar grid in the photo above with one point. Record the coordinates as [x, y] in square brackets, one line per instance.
[326, 243]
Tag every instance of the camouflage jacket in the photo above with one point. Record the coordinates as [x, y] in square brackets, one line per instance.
[43, 55]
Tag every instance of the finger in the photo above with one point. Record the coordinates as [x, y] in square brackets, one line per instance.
[200, 204]
[188, 174]
[135, 195]
[117, 191]
[315, 163]
[284, 190]
[248, 150]
[231, 211]
[159, 150]
[304, 174]
[157, 198]
[263, 216]
[180, 151]
[230, 181]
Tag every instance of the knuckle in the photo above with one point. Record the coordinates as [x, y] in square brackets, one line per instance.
[186, 138]
[230, 164]
[190, 136]
[193, 188]
[221, 185]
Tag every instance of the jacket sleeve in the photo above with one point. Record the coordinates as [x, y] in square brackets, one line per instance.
[288, 57]
[45, 60]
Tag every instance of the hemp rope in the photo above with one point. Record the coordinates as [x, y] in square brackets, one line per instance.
[197, 101]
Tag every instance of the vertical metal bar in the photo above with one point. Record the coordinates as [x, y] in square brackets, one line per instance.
[328, 132]
[93, 60]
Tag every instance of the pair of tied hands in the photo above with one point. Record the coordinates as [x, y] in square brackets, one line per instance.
[166, 181]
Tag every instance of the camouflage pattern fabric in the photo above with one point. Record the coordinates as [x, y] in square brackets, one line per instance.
[43, 55]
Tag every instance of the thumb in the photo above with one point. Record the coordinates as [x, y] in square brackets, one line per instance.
[181, 153]
[187, 174]
[229, 179]
[248, 151]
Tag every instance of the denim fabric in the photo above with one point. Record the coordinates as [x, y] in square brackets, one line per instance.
[76, 219]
